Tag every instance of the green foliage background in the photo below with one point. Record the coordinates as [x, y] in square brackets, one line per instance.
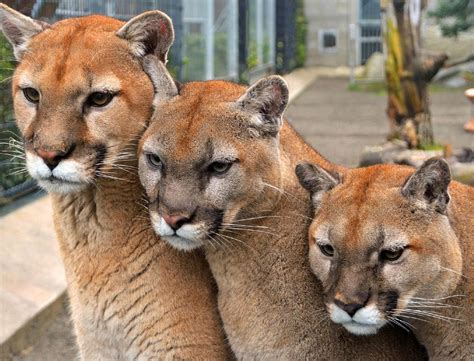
[454, 16]
[194, 60]
[301, 34]
[9, 166]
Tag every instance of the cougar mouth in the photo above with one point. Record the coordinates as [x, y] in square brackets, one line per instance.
[70, 175]
[185, 238]
[357, 328]
[366, 320]
[197, 230]
[59, 185]
[57, 180]
[182, 243]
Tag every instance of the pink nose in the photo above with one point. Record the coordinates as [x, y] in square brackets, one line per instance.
[51, 158]
[175, 222]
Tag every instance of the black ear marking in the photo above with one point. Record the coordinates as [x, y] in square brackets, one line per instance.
[429, 185]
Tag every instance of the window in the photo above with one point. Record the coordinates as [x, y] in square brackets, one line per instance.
[327, 40]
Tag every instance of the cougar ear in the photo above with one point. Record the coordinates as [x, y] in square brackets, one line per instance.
[19, 29]
[316, 180]
[428, 186]
[149, 33]
[266, 100]
[164, 85]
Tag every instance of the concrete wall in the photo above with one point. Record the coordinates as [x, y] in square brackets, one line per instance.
[329, 14]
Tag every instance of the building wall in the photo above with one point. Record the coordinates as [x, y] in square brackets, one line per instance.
[339, 14]
[330, 15]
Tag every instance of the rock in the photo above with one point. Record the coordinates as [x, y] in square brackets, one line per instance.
[453, 76]
[461, 162]
[463, 172]
[465, 155]
[383, 153]
[415, 158]
[375, 67]
[359, 72]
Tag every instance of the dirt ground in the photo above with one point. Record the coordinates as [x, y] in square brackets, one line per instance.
[338, 123]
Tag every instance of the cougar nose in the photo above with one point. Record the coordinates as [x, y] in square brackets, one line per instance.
[350, 308]
[175, 222]
[52, 158]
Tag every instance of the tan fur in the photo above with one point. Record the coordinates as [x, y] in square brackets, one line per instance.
[366, 213]
[132, 296]
[271, 305]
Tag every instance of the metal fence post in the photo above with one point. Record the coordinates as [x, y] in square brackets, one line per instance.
[209, 40]
[285, 35]
[243, 40]
[175, 11]
[233, 39]
[271, 25]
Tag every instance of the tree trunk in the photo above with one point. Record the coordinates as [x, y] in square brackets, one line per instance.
[408, 72]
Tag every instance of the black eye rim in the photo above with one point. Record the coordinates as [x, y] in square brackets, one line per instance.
[28, 96]
[154, 160]
[392, 255]
[109, 97]
[226, 163]
[326, 249]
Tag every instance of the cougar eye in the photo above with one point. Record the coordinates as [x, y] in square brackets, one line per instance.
[391, 254]
[219, 167]
[32, 95]
[154, 160]
[326, 249]
[100, 99]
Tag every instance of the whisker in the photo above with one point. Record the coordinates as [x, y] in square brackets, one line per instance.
[19, 172]
[453, 271]
[397, 322]
[106, 175]
[282, 191]
[251, 230]
[431, 314]
[253, 218]
[437, 299]
[236, 239]
[406, 323]
[244, 226]
[414, 318]
[432, 305]
[222, 242]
